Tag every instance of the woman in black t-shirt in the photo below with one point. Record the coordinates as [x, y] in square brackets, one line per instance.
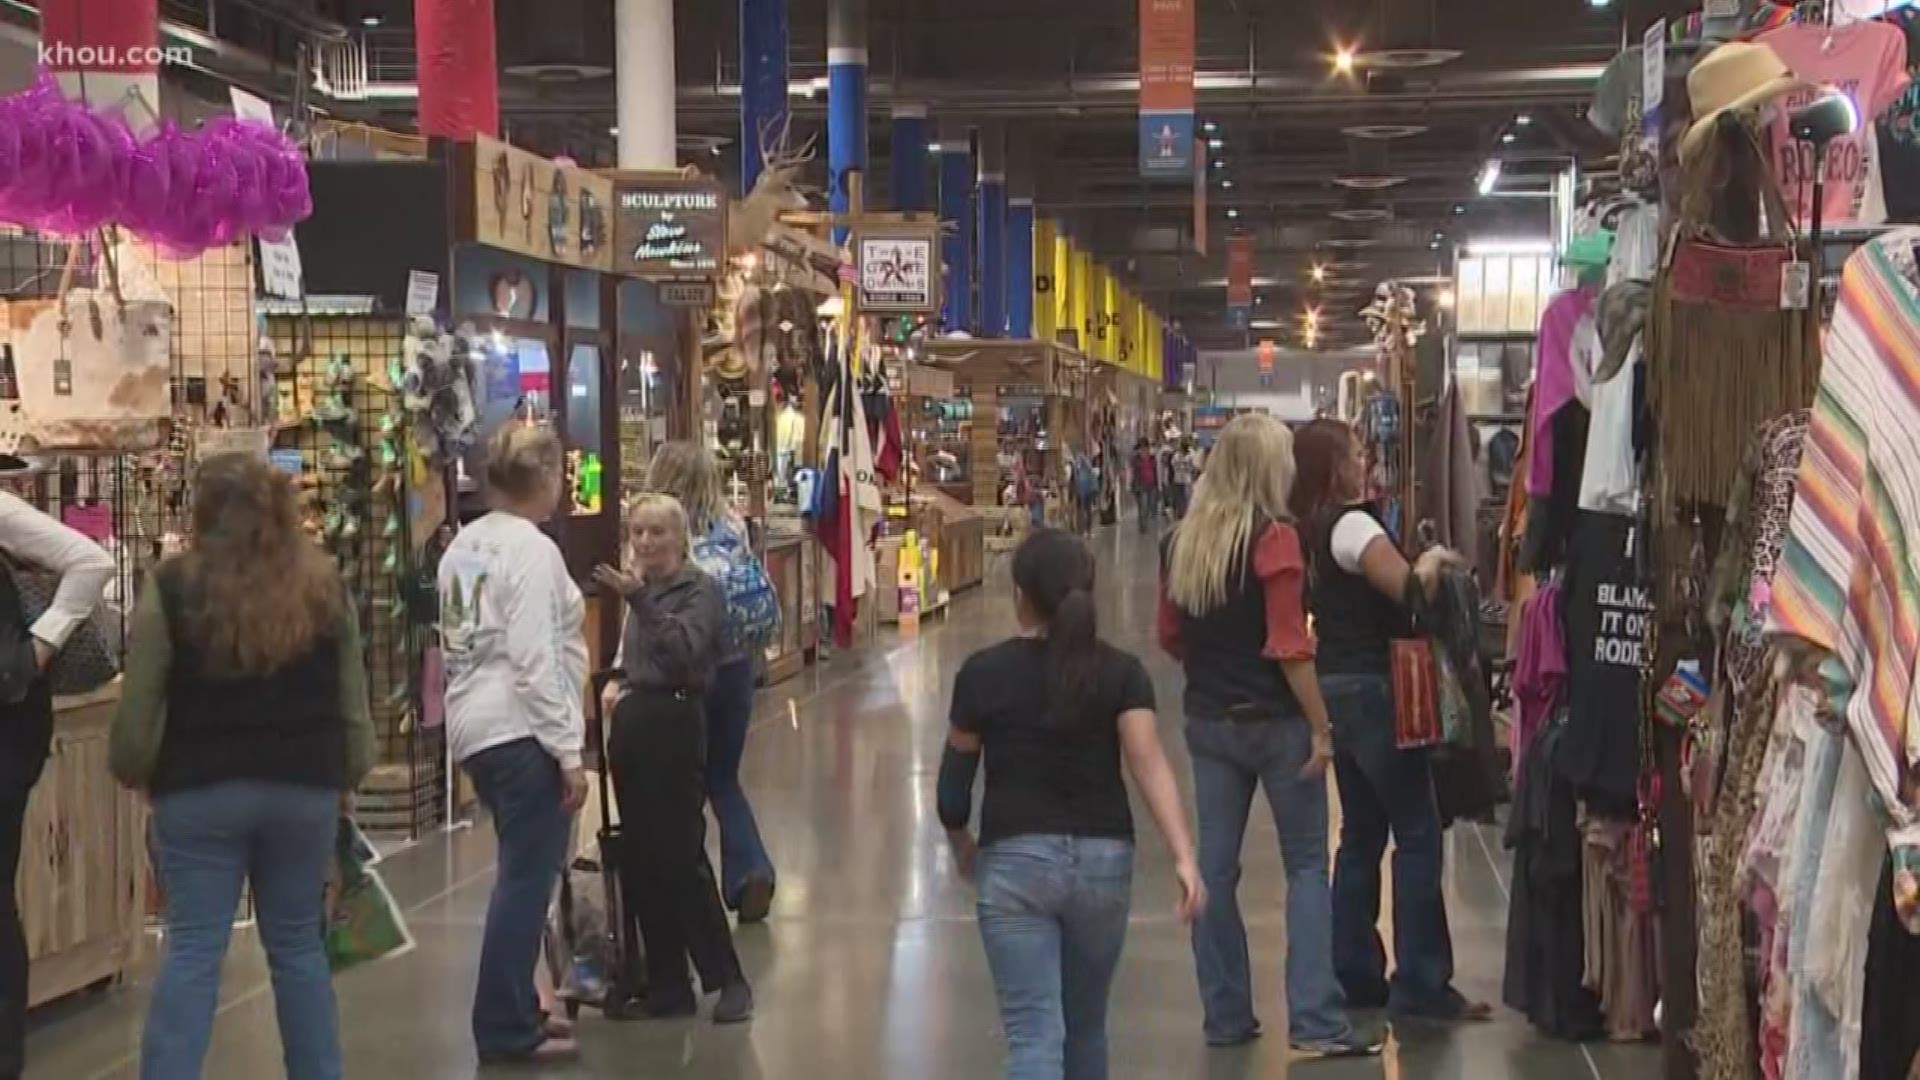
[1055, 710]
[1359, 580]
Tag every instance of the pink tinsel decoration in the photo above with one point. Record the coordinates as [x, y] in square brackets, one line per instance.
[65, 168]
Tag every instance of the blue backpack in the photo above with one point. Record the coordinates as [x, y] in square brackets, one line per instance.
[753, 608]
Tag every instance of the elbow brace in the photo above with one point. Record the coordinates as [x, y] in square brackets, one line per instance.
[955, 794]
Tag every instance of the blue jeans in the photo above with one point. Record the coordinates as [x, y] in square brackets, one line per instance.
[1053, 915]
[1384, 789]
[211, 841]
[520, 785]
[1229, 759]
[729, 707]
[1148, 500]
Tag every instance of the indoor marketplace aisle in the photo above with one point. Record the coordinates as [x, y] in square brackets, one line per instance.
[871, 966]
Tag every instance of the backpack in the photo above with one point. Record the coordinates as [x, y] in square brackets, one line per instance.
[753, 608]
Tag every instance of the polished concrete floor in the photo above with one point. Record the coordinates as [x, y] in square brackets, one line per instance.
[871, 965]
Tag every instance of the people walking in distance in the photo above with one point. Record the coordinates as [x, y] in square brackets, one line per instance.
[1055, 711]
[1232, 610]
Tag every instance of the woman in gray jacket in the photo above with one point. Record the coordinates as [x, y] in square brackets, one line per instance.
[655, 752]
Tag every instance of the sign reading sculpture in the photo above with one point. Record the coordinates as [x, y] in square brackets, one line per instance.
[668, 226]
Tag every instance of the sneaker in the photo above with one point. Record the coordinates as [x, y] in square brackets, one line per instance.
[756, 900]
[735, 1005]
[1354, 1044]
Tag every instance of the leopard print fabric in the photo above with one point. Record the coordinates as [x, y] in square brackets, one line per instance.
[1760, 528]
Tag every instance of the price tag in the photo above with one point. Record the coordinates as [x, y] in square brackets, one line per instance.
[1653, 65]
[1796, 286]
[423, 293]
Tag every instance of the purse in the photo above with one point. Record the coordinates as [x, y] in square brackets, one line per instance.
[1416, 694]
[86, 662]
[95, 370]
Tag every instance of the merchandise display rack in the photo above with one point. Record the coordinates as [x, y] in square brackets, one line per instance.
[360, 503]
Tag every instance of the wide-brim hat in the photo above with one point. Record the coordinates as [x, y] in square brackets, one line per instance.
[1736, 77]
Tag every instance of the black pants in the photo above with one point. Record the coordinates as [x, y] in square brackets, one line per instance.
[13, 941]
[657, 753]
[1890, 1009]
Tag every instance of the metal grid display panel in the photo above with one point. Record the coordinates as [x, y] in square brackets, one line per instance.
[338, 412]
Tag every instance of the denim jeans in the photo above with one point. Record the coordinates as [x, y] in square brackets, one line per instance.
[211, 841]
[520, 785]
[1229, 759]
[1053, 914]
[1148, 500]
[1384, 789]
[729, 713]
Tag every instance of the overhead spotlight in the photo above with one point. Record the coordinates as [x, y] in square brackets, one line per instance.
[1343, 60]
[1216, 144]
[1459, 209]
[1489, 176]
[1319, 274]
[1523, 119]
[1219, 163]
[1227, 184]
[1599, 3]
[1508, 137]
[714, 149]
[613, 131]
[1258, 300]
[1209, 127]
[933, 148]
[371, 22]
[1232, 213]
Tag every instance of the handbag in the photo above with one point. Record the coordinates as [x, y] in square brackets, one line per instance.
[95, 370]
[1416, 694]
[86, 662]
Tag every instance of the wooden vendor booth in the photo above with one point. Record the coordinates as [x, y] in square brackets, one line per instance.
[1028, 408]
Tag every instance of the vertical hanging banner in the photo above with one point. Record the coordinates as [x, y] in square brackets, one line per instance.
[1200, 196]
[1266, 361]
[1166, 89]
[1240, 281]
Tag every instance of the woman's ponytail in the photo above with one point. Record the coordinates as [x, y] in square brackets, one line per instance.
[1054, 571]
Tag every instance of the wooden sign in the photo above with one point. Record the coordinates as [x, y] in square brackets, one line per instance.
[528, 205]
[669, 226]
[687, 294]
[899, 268]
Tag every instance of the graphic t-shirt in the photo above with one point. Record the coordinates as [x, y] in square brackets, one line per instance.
[1868, 62]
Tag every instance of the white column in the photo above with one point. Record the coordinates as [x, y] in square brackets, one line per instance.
[643, 63]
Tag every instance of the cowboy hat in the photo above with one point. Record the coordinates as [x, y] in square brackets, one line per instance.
[1736, 77]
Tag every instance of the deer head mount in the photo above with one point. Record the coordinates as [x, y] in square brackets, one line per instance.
[777, 189]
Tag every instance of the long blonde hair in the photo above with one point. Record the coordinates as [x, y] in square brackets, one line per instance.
[1248, 477]
[687, 471]
[257, 593]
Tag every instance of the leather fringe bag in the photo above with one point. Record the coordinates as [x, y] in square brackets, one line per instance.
[1723, 356]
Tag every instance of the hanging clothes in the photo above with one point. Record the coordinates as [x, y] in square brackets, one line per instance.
[1454, 501]
[1539, 669]
[1607, 605]
[1890, 1014]
[1554, 384]
[1868, 61]
[1847, 581]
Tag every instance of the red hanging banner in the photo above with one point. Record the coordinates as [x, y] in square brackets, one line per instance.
[1266, 354]
[1200, 196]
[459, 88]
[1166, 88]
[1240, 271]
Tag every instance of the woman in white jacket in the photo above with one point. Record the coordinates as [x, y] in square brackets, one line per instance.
[516, 674]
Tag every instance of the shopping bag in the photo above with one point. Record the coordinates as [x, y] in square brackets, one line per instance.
[1416, 695]
[364, 924]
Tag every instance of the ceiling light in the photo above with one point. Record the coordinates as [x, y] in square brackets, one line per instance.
[1219, 163]
[933, 148]
[371, 21]
[1459, 208]
[1435, 246]
[1319, 273]
[613, 131]
[1523, 119]
[1209, 127]
[1216, 144]
[1258, 300]
[1489, 176]
[1599, 3]
[714, 149]
[1232, 213]
[1228, 184]
[1508, 137]
[1343, 61]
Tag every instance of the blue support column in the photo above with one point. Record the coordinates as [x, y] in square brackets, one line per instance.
[763, 81]
[1020, 267]
[993, 239]
[846, 100]
[908, 160]
[956, 245]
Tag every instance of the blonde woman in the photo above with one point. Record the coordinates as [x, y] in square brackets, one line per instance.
[688, 472]
[1232, 609]
[244, 715]
[516, 673]
[675, 617]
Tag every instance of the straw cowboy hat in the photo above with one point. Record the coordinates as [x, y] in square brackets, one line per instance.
[1736, 77]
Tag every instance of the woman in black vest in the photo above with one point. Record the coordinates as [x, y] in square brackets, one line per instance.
[1232, 610]
[31, 538]
[244, 715]
[1359, 584]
